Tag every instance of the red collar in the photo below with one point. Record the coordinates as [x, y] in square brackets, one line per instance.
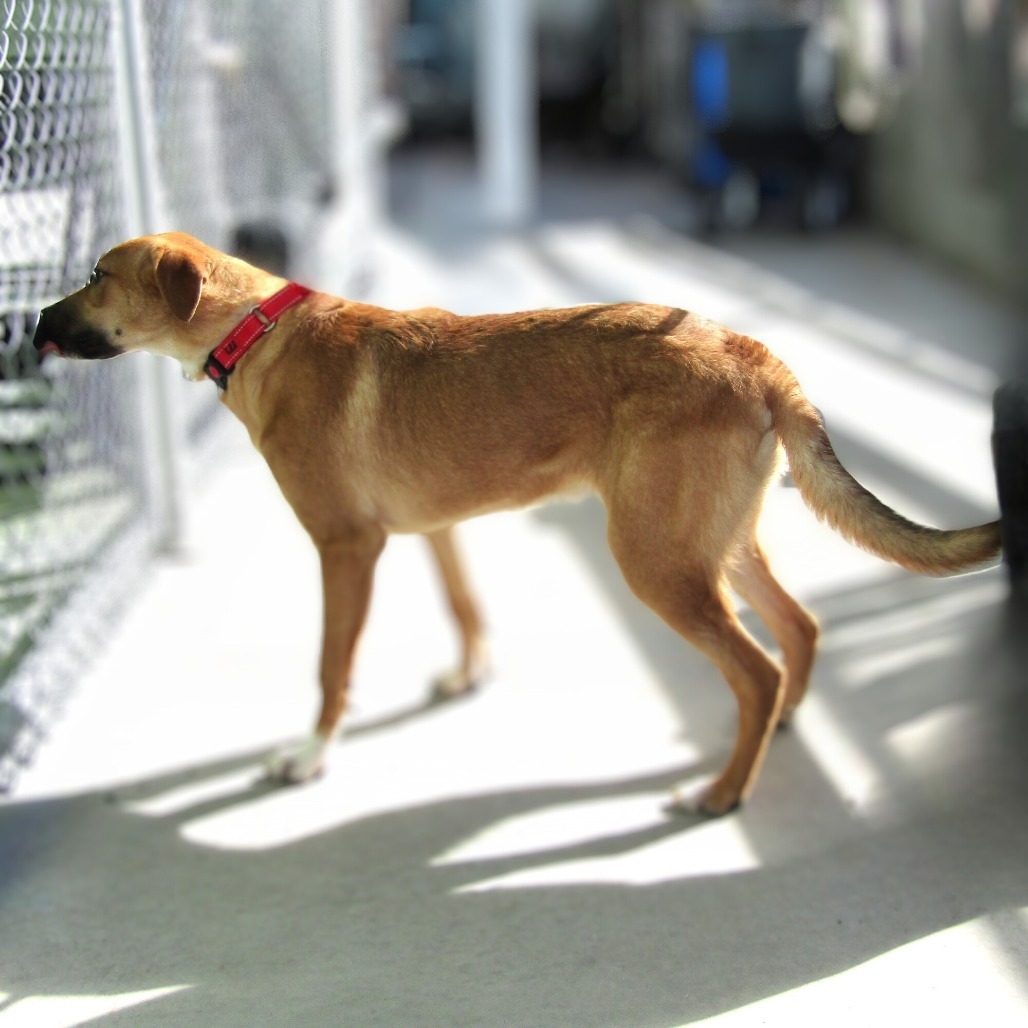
[261, 320]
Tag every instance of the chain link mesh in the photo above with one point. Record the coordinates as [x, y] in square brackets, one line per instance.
[69, 461]
[235, 98]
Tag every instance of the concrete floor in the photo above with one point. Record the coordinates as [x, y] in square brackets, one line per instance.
[504, 860]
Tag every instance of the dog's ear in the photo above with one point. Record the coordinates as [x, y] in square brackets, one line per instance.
[180, 278]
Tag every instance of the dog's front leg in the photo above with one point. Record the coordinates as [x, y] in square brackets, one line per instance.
[474, 665]
[347, 571]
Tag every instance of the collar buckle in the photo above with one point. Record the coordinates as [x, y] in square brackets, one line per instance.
[265, 321]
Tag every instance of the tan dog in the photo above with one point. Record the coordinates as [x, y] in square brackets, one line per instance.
[376, 421]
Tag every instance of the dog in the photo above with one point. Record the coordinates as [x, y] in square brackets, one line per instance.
[376, 421]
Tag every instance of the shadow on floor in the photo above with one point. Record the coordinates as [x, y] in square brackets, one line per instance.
[361, 923]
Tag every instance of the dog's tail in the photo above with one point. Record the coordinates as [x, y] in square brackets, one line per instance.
[838, 499]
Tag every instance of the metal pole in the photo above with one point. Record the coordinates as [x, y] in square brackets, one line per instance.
[347, 228]
[160, 418]
[505, 110]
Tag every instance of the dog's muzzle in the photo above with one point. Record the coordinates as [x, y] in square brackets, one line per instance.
[58, 332]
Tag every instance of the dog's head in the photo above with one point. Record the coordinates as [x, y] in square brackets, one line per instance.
[148, 294]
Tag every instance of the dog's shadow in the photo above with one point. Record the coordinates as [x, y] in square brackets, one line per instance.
[431, 704]
[189, 795]
[377, 888]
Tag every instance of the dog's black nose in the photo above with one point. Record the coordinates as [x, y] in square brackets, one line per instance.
[42, 338]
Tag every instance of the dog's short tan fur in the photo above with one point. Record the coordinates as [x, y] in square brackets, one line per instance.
[376, 421]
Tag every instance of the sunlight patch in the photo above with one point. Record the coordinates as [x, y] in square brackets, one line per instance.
[941, 733]
[852, 774]
[861, 671]
[67, 1011]
[281, 817]
[705, 850]
[186, 797]
[568, 824]
[915, 620]
[921, 982]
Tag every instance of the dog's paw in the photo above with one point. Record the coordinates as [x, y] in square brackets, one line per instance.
[461, 681]
[453, 684]
[300, 763]
[475, 670]
[704, 796]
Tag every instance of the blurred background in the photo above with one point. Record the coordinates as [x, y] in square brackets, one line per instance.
[846, 180]
[871, 153]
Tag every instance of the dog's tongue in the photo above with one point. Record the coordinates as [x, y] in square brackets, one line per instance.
[49, 347]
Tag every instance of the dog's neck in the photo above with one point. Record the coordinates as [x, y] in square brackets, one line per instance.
[261, 319]
[230, 295]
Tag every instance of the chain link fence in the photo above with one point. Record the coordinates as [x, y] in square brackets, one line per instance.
[119, 117]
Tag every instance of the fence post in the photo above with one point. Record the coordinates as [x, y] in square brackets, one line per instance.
[163, 429]
[505, 104]
[344, 241]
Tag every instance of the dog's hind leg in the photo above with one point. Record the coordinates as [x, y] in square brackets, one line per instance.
[697, 610]
[474, 664]
[671, 545]
[795, 629]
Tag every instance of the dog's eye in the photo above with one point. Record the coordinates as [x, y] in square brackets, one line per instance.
[96, 275]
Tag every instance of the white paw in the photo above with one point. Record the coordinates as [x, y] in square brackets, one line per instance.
[299, 763]
[691, 797]
[454, 683]
[473, 672]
